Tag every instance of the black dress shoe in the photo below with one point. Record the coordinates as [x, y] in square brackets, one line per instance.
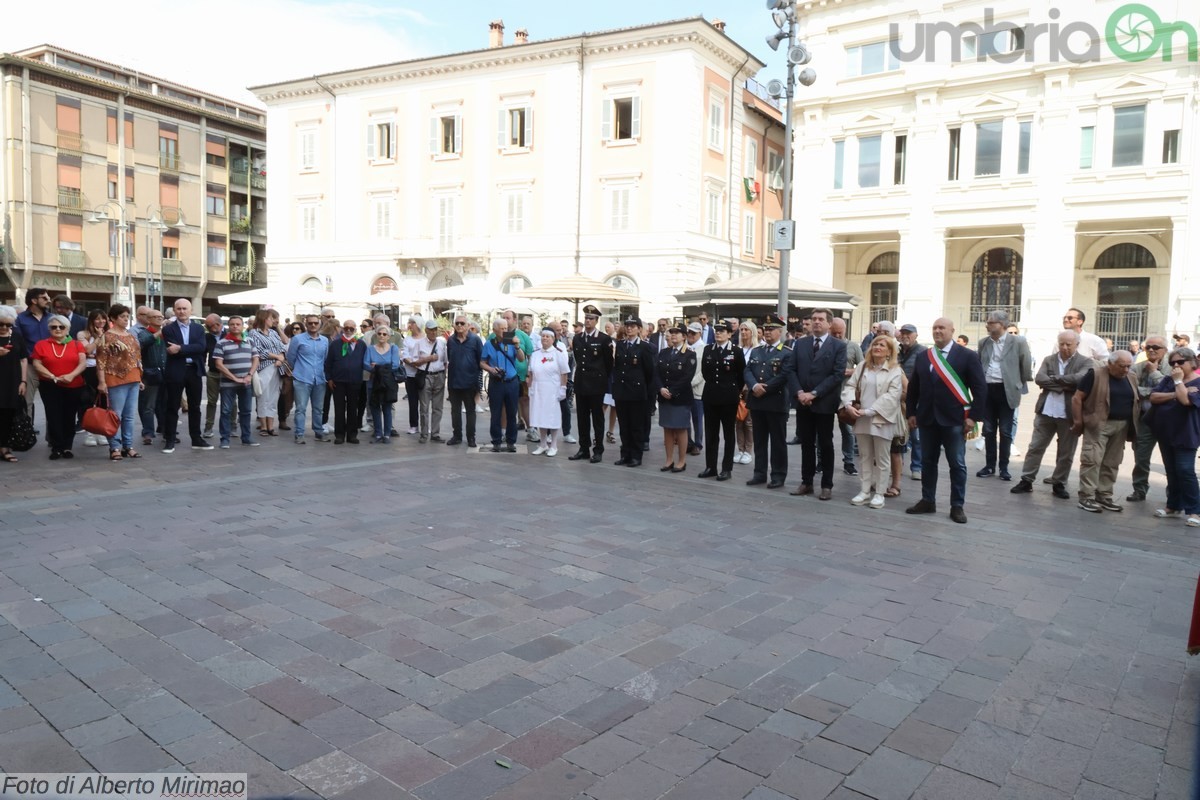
[1005, 475]
[339, 440]
[1023, 487]
[1060, 491]
[755, 481]
[708, 473]
[958, 515]
[921, 507]
[453, 441]
[775, 483]
[620, 462]
[497, 448]
[667, 468]
[351, 441]
[470, 442]
[596, 458]
[723, 475]
[694, 450]
[645, 447]
[986, 472]
[850, 469]
[580, 455]
[634, 462]
[679, 469]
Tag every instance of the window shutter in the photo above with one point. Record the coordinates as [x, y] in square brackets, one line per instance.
[529, 126]
[458, 133]
[370, 141]
[502, 129]
[635, 127]
[433, 135]
[606, 112]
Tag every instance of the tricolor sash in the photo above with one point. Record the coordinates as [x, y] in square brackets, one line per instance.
[949, 377]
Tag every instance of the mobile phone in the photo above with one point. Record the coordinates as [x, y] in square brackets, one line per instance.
[507, 337]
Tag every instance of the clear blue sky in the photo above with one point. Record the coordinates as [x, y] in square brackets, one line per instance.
[223, 46]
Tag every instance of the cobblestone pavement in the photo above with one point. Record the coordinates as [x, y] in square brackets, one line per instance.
[416, 621]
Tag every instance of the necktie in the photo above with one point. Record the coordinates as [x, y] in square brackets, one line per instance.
[816, 346]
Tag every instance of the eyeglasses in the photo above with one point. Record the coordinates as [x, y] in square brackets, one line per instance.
[381, 333]
[58, 327]
[1178, 363]
[460, 323]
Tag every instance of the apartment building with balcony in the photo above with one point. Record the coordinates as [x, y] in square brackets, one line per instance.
[94, 153]
[639, 157]
[1007, 177]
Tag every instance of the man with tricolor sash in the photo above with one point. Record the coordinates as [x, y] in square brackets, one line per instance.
[941, 395]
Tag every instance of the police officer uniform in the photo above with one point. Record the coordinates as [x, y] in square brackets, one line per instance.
[632, 388]
[772, 367]
[593, 351]
[724, 369]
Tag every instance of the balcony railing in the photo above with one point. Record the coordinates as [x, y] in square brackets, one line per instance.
[71, 259]
[70, 142]
[169, 162]
[172, 266]
[241, 273]
[239, 225]
[239, 178]
[258, 181]
[70, 200]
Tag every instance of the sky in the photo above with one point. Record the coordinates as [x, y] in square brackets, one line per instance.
[224, 46]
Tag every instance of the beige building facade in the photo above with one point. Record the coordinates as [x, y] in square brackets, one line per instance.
[637, 157]
[94, 153]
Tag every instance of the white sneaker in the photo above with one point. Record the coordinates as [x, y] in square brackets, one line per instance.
[89, 440]
[1166, 513]
[1014, 452]
[328, 429]
[480, 409]
[860, 498]
[570, 438]
[552, 452]
[877, 501]
[412, 431]
[979, 443]
[1193, 521]
[747, 457]
[532, 436]
[537, 451]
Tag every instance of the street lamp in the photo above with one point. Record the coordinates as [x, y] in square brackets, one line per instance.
[783, 14]
[100, 214]
[123, 281]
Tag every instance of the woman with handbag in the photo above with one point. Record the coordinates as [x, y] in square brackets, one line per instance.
[12, 379]
[382, 362]
[59, 362]
[743, 428]
[871, 402]
[97, 324]
[119, 375]
[272, 361]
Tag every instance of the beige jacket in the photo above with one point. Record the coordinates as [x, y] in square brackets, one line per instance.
[889, 383]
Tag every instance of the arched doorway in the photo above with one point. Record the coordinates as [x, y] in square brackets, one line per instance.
[515, 283]
[618, 310]
[1123, 296]
[996, 284]
[444, 278]
[884, 293]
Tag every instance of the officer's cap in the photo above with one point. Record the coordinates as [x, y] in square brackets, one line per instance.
[591, 311]
[773, 321]
[632, 320]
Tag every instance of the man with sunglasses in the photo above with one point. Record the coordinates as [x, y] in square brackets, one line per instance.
[464, 351]
[1148, 373]
[306, 355]
[1107, 411]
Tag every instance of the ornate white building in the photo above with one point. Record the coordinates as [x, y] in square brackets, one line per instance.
[623, 155]
[997, 180]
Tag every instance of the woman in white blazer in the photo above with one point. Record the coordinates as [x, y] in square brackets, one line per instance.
[872, 399]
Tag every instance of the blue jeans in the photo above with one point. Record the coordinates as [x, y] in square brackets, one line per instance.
[381, 418]
[304, 393]
[1183, 494]
[123, 400]
[243, 394]
[934, 439]
[914, 448]
[150, 403]
[502, 397]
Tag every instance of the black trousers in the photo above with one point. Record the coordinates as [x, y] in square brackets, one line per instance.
[462, 399]
[62, 405]
[719, 417]
[816, 433]
[632, 416]
[770, 427]
[999, 419]
[362, 404]
[589, 413]
[414, 402]
[192, 384]
[345, 409]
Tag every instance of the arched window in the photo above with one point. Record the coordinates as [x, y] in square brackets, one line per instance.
[515, 283]
[885, 264]
[624, 283]
[1126, 255]
[711, 279]
[445, 278]
[315, 284]
[996, 284]
[383, 284]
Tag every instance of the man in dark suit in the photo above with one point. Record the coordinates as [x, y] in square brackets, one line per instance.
[707, 335]
[769, 378]
[819, 363]
[723, 366]
[184, 372]
[593, 351]
[945, 386]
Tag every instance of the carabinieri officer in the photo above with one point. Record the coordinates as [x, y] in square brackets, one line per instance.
[769, 377]
[724, 368]
[593, 351]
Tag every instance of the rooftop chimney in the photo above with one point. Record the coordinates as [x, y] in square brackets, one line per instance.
[522, 36]
[719, 24]
[496, 33]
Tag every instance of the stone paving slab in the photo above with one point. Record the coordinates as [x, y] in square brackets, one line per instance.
[371, 622]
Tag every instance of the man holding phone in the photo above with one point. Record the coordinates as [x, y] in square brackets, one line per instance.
[501, 355]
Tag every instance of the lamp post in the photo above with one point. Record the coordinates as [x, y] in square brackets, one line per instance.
[123, 280]
[783, 14]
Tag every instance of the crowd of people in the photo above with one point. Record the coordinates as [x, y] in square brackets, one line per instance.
[717, 389]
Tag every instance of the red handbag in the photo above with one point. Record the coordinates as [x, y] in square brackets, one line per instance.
[101, 420]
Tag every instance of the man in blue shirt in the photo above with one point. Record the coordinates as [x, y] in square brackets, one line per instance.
[500, 358]
[464, 352]
[34, 325]
[306, 355]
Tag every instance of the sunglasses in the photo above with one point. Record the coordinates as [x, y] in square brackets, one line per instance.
[58, 327]
[1155, 347]
[349, 328]
[1177, 363]
[383, 334]
[312, 323]
[460, 323]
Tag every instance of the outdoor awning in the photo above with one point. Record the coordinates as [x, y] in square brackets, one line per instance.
[762, 288]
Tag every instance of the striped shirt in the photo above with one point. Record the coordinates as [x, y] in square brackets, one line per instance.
[266, 345]
[237, 358]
